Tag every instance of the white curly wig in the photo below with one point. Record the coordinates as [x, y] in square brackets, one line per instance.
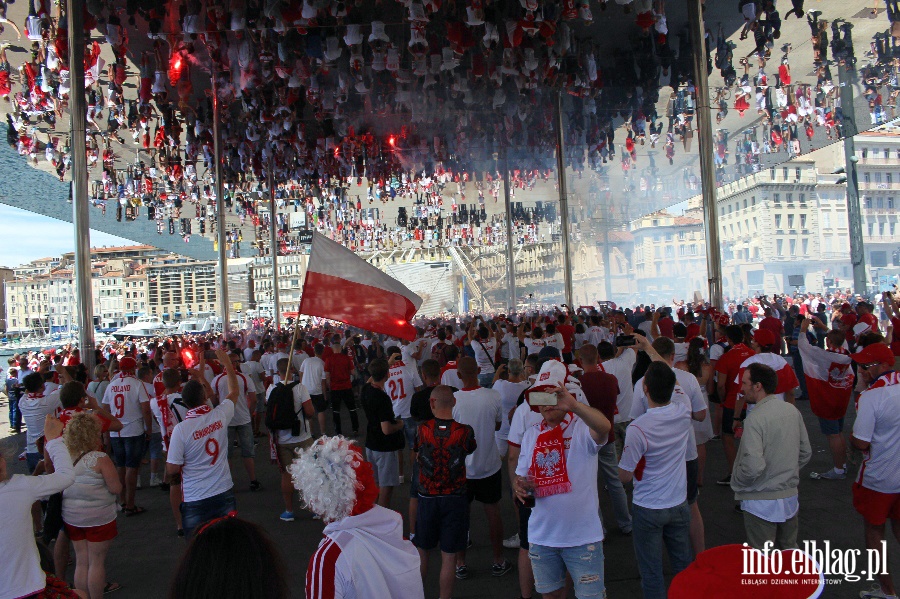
[330, 475]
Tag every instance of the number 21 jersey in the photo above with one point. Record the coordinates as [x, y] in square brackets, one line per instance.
[400, 386]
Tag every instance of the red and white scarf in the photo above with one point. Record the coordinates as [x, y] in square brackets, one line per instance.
[548, 462]
[198, 411]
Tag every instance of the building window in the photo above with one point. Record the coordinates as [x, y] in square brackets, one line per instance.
[803, 221]
[797, 173]
[826, 220]
[871, 229]
[805, 245]
[793, 244]
[681, 235]
[790, 222]
[777, 221]
[867, 178]
[868, 203]
[790, 198]
[779, 247]
[802, 198]
[879, 203]
[753, 200]
[745, 203]
[890, 203]
[776, 197]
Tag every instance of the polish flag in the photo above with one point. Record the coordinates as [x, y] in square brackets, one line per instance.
[342, 286]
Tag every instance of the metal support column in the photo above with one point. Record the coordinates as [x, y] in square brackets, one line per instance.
[273, 243]
[706, 147]
[607, 259]
[854, 211]
[220, 211]
[80, 205]
[510, 254]
[563, 201]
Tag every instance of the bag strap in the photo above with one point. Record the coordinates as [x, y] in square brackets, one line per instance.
[180, 403]
[79, 459]
[487, 354]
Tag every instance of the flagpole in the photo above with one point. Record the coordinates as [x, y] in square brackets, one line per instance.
[220, 211]
[273, 243]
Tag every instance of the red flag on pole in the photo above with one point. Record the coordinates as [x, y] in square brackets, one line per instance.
[342, 286]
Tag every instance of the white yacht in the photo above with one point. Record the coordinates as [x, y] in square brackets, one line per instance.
[144, 326]
[199, 325]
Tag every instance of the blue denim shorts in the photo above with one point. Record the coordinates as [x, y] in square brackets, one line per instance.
[831, 427]
[127, 451]
[584, 564]
[196, 513]
[245, 439]
[156, 450]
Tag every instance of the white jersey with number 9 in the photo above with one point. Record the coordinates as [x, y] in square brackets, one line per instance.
[124, 396]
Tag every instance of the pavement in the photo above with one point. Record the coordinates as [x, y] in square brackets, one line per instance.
[146, 553]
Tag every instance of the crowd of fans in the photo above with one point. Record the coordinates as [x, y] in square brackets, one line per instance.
[298, 81]
[635, 395]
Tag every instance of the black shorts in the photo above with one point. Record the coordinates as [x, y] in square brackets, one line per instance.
[414, 480]
[486, 490]
[524, 515]
[714, 397]
[693, 469]
[728, 420]
[319, 403]
[443, 520]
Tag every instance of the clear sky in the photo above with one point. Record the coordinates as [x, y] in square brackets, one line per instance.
[27, 236]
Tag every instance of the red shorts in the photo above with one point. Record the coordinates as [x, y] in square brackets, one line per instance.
[876, 507]
[93, 534]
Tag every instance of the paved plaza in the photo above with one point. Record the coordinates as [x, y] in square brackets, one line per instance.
[144, 556]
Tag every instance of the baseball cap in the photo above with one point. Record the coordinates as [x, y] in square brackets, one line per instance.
[877, 353]
[764, 337]
[861, 327]
[552, 374]
[127, 364]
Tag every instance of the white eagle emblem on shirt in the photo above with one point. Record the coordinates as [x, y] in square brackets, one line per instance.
[548, 461]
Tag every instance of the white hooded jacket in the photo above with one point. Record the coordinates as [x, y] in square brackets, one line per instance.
[365, 556]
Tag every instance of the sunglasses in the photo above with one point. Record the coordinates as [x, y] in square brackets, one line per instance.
[868, 366]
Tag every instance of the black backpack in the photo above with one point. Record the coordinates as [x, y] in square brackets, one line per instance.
[280, 414]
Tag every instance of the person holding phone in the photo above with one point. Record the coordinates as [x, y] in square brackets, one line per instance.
[558, 459]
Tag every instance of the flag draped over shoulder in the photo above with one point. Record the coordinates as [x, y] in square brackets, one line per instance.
[342, 286]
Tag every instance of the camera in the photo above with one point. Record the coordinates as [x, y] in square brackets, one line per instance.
[542, 398]
[625, 340]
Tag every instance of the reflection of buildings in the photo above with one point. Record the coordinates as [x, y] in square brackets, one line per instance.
[669, 257]
[878, 171]
[178, 288]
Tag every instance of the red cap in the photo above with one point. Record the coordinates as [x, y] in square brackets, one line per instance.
[877, 353]
[723, 320]
[846, 307]
[127, 364]
[764, 337]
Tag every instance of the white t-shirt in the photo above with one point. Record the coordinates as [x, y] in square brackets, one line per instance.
[241, 407]
[687, 392]
[298, 358]
[451, 378]
[655, 445]
[510, 348]
[509, 395]
[34, 408]
[313, 371]
[400, 386]
[485, 350]
[877, 423]
[556, 340]
[200, 446]
[534, 346]
[268, 363]
[151, 393]
[566, 519]
[176, 411]
[596, 335]
[124, 396]
[621, 367]
[248, 353]
[301, 396]
[254, 372]
[480, 409]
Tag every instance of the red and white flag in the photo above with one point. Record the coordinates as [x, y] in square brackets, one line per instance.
[342, 286]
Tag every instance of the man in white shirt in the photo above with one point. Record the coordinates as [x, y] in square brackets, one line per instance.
[129, 401]
[596, 334]
[240, 426]
[35, 405]
[403, 381]
[557, 470]
[288, 441]
[620, 363]
[485, 347]
[656, 443]
[169, 409]
[313, 377]
[198, 451]
[480, 408]
[876, 494]
[255, 374]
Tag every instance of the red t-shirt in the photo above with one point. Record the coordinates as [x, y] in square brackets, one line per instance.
[339, 366]
[848, 320]
[729, 366]
[770, 323]
[601, 390]
[568, 334]
[666, 327]
[870, 320]
[693, 330]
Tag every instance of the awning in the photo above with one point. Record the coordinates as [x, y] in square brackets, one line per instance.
[290, 314]
[132, 315]
[165, 315]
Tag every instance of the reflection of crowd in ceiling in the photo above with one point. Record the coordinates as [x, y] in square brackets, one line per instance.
[419, 105]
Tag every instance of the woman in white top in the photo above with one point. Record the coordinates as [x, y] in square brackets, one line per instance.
[89, 505]
[20, 568]
[97, 387]
[698, 364]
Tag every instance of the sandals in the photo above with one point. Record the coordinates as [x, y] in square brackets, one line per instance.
[112, 587]
[135, 511]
